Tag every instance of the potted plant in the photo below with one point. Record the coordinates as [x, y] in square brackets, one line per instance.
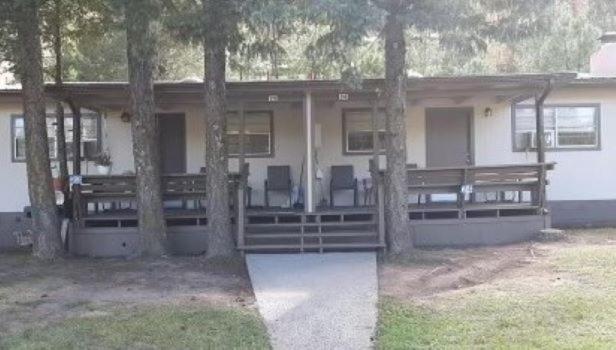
[103, 163]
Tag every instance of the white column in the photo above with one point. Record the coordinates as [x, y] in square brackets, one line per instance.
[308, 194]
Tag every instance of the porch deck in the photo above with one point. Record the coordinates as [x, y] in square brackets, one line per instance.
[436, 196]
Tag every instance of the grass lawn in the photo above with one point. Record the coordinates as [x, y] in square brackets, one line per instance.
[171, 303]
[561, 295]
[168, 327]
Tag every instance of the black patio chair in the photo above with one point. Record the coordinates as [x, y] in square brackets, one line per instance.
[342, 179]
[278, 180]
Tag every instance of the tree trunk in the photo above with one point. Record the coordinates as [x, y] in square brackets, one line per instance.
[220, 240]
[396, 211]
[47, 241]
[141, 50]
[60, 136]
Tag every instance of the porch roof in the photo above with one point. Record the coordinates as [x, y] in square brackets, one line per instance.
[458, 88]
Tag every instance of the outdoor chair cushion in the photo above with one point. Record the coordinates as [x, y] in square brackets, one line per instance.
[342, 177]
[278, 177]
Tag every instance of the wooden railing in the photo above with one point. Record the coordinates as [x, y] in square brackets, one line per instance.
[473, 186]
[117, 191]
[470, 191]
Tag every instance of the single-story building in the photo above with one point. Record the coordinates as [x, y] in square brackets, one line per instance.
[474, 174]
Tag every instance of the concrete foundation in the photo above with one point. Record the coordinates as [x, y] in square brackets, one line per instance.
[107, 242]
[12, 224]
[587, 213]
[192, 240]
[477, 232]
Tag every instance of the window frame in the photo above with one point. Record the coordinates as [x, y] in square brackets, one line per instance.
[99, 143]
[597, 124]
[271, 153]
[345, 141]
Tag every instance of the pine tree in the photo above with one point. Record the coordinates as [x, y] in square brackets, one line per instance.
[141, 50]
[28, 61]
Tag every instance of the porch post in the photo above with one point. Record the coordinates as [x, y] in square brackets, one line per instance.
[241, 157]
[241, 186]
[308, 204]
[376, 142]
[76, 111]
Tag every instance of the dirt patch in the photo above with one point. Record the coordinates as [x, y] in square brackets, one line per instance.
[434, 272]
[39, 293]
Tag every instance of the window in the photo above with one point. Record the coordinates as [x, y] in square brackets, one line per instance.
[566, 127]
[90, 140]
[357, 131]
[258, 139]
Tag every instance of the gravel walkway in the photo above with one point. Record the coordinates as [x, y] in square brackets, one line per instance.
[316, 301]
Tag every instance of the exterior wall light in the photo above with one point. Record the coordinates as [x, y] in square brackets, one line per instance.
[125, 117]
[272, 98]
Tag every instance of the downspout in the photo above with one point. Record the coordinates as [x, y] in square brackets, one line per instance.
[539, 103]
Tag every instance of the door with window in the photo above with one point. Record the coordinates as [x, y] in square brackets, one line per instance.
[172, 135]
[448, 137]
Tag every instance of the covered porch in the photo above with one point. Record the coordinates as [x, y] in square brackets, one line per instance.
[310, 128]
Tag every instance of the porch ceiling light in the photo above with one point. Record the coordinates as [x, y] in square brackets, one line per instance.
[488, 112]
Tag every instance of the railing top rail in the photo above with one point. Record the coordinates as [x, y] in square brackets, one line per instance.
[232, 175]
[549, 166]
